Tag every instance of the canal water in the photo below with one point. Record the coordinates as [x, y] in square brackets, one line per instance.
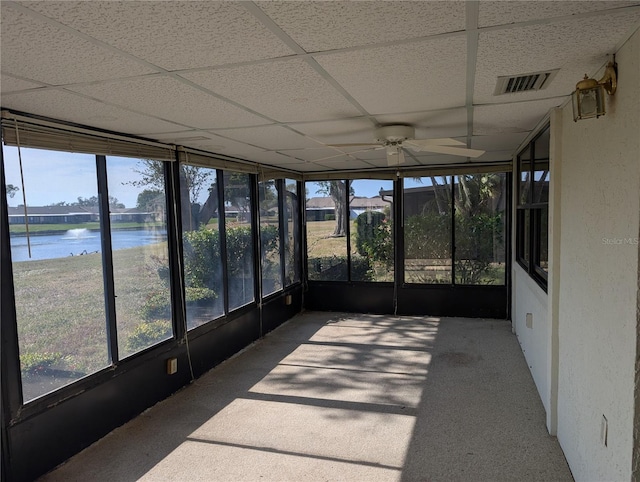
[77, 242]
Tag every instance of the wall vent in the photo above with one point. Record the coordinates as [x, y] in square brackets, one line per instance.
[524, 82]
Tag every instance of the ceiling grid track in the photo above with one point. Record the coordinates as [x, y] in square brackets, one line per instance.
[293, 45]
[472, 13]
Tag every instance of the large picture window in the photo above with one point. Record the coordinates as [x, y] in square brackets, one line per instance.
[138, 219]
[326, 211]
[57, 267]
[291, 225]
[427, 229]
[269, 193]
[532, 210]
[202, 259]
[371, 223]
[239, 238]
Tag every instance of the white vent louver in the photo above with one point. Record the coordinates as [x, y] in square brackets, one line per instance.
[524, 82]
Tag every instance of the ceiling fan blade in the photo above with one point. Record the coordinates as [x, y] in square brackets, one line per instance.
[420, 143]
[368, 144]
[454, 151]
[395, 156]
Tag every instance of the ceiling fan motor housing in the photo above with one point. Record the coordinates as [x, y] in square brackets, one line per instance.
[394, 134]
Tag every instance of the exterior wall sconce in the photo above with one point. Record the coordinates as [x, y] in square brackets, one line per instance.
[588, 98]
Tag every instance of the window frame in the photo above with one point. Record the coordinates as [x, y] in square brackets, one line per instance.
[529, 231]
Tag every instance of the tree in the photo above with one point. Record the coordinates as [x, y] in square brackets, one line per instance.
[192, 180]
[337, 190]
[147, 197]
[12, 190]
[93, 201]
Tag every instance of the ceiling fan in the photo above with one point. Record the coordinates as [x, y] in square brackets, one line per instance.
[395, 138]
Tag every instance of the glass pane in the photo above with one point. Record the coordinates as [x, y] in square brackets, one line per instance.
[427, 230]
[524, 173]
[526, 236]
[270, 236]
[59, 287]
[541, 169]
[138, 213]
[480, 201]
[370, 213]
[326, 230]
[202, 264]
[543, 240]
[292, 258]
[237, 206]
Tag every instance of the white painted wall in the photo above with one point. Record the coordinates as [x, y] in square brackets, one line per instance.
[597, 291]
[528, 297]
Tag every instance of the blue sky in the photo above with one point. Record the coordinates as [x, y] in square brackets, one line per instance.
[51, 177]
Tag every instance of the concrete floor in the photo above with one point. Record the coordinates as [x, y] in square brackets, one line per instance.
[344, 397]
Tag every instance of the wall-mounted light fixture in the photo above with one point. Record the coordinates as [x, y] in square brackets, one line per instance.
[588, 98]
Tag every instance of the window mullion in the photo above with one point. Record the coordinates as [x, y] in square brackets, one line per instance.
[107, 259]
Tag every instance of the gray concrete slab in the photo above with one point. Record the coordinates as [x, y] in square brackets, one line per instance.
[345, 397]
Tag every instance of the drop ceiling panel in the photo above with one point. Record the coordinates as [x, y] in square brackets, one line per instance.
[285, 90]
[307, 167]
[170, 99]
[42, 51]
[11, 84]
[425, 75]
[573, 46]
[66, 106]
[275, 158]
[503, 142]
[271, 137]
[230, 147]
[172, 34]
[315, 154]
[502, 13]
[433, 124]
[511, 118]
[345, 164]
[341, 131]
[321, 25]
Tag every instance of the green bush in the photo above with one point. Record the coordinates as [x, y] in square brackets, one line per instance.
[147, 334]
[367, 224]
[31, 363]
[329, 217]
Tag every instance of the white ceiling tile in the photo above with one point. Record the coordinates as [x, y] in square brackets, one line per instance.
[315, 154]
[271, 137]
[307, 167]
[230, 147]
[317, 25]
[275, 158]
[172, 34]
[502, 142]
[66, 106]
[425, 75]
[11, 84]
[341, 131]
[170, 99]
[495, 156]
[345, 164]
[41, 51]
[510, 118]
[503, 13]
[284, 90]
[575, 47]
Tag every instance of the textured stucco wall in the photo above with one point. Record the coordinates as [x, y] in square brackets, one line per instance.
[528, 297]
[598, 290]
